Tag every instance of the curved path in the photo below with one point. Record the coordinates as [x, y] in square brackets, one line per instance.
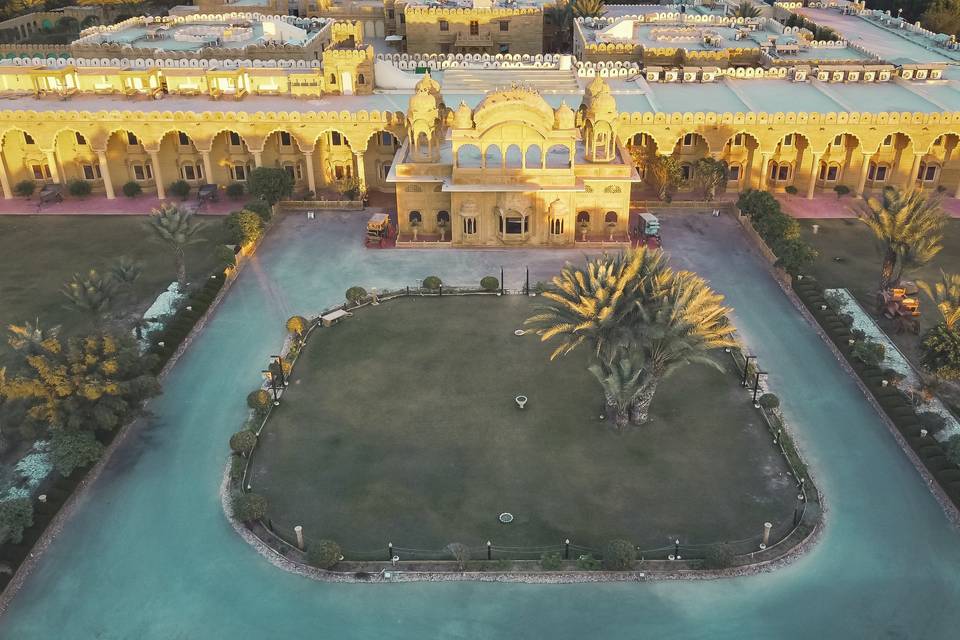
[150, 555]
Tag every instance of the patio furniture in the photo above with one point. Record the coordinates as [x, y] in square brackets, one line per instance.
[208, 193]
[51, 193]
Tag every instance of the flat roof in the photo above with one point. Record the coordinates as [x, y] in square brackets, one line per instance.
[684, 97]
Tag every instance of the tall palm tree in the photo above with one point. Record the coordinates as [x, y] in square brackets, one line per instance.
[91, 294]
[561, 16]
[946, 295]
[176, 228]
[746, 9]
[909, 229]
[589, 8]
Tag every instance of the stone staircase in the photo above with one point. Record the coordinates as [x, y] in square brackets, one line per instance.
[483, 80]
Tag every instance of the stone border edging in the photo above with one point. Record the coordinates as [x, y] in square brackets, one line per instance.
[66, 511]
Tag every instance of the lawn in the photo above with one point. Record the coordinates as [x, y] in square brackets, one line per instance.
[400, 425]
[39, 253]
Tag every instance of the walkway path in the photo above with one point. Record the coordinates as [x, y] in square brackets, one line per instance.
[121, 206]
[151, 556]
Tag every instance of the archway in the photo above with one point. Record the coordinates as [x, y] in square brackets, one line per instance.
[469, 157]
[180, 159]
[381, 150]
[230, 159]
[333, 159]
[128, 161]
[75, 158]
[281, 150]
[558, 157]
[739, 152]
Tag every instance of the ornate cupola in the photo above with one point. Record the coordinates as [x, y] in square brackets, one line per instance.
[564, 117]
[463, 119]
[600, 122]
[423, 124]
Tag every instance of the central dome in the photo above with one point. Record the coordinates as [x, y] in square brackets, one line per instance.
[515, 103]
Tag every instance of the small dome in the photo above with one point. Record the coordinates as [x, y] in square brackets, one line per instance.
[422, 101]
[464, 117]
[602, 106]
[596, 87]
[428, 84]
[564, 118]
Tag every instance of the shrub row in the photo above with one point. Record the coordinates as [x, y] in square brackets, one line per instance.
[164, 343]
[894, 403]
[778, 230]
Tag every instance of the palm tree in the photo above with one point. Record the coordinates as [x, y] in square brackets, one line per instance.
[746, 9]
[176, 228]
[946, 295]
[91, 294]
[588, 8]
[909, 229]
[561, 16]
[31, 337]
[589, 304]
[621, 382]
[125, 271]
[709, 174]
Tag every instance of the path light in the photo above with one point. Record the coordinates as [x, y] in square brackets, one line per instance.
[521, 401]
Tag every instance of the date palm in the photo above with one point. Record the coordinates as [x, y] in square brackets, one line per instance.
[176, 228]
[561, 16]
[31, 337]
[909, 230]
[746, 9]
[589, 8]
[946, 295]
[621, 381]
[91, 294]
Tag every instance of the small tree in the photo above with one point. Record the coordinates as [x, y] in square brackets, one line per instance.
[243, 442]
[249, 507]
[349, 188]
[769, 401]
[260, 208]
[709, 175]
[91, 294]
[235, 190]
[243, 227]
[71, 450]
[664, 175]
[746, 9]
[551, 561]
[941, 351]
[589, 8]
[432, 283]
[132, 189]
[25, 188]
[259, 401]
[324, 554]
[180, 189]
[224, 255]
[460, 553]
[297, 325]
[355, 294]
[270, 184]
[177, 229]
[489, 283]
[619, 555]
[79, 188]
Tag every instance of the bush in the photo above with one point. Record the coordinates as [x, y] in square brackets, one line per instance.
[432, 283]
[792, 190]
[769, 401]
[551, 561]
[778, 230]
[953, 449]
[261, 208]
[243, 442]
[619, 555]
[489, 283]
[235, 190]
[25, 188]
[224, 256]
[79, 188]
[941, 351]
[259, 400]
[180, 189]
[588, 563]
[841, 190]
[15, 516]
[270, 184]
[132, 189]
[355, 294]
[868, 351]
[324, 554]
[718, 556]
[248, 507]
[243, 227]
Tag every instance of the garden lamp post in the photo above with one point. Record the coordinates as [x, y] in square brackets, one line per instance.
[746, 368]
[283, 375]
[501, 279]
[526, 286]
[756, 384]
[268, 375]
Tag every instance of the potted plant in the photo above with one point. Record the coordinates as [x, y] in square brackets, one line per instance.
[584, 227]
[415, 228]
[443, 226]
[612, 228]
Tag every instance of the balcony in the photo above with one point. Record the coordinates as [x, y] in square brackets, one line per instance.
[469, 41]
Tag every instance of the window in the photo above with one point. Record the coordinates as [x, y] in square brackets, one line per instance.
[285, 140]
[504, 47]
[788, 140]
[779, 172]
[415, 217]
[238, 172]
[829, 173]
[142, 172]
[504, 25]
[384, 170]
[41, 172]
[685, 171]
[556, 226]
[187, 172]
[390, 13]
[386, 139]
[91, 172]
[639, 140]
[877, 172]
[234, 139]
[474, 28]
[336, 139]
[80, 139]
[361, 79]
[888, 140]
[469, 226]
[514, 225]
[838, 140]
[928, 172]
[733, 172]
[27, 138]
[403, 18]
[938, 142]
[289, 169]
[443, 217]
[183, 139]
[444, 25]
[688, 140]
[333, 78]
[132, 139]
[338, 172]
[738, 140]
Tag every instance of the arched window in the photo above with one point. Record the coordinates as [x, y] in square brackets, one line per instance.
[829, 172]
[583, 216]
[415, 217]
[493, 157]
[878, 172]
[469, 226]
[468, 157]
[558, 157]
[533, 157]
[610, 216]
[333, 78]
[361, 79]
[443, 217]
[556, 226]
[513, 159]
[686, 170]
[733, 173]
[779, 171]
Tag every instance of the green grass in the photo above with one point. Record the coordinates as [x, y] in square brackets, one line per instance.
[39, 253]
[400, 425]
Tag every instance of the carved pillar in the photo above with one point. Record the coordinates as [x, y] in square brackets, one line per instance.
[257, 158]
[105, 174]
[914, 170]
[207, 167]
[746, 180]
[52, 163]
[812, 185]
[5, 179]
[765, 158]
[864, 169]
[361, 174]
[311, 177]
[157, 174]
